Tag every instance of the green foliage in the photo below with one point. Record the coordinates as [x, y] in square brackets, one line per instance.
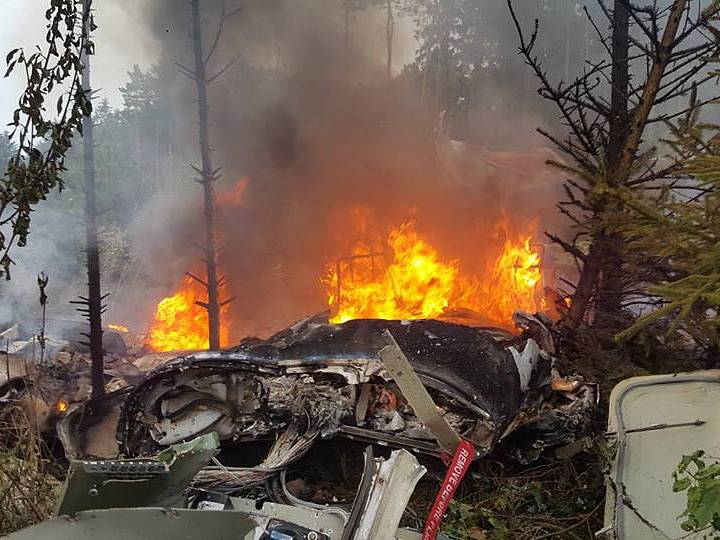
[702, 484]
[140, 93]
[44, 137]
[677, 232]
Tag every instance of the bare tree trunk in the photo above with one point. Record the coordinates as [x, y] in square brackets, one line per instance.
[609, 293]
[619, 85]
[94, 299]
[346, 50]
[585, 289]
[206, 180]
[157, 150]
[640, 115]
[390, 30]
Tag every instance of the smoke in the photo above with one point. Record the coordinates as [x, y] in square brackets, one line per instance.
[307, 115]
[329, 151]
[56, 241]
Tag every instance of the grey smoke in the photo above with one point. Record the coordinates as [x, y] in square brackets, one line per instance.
[317, 131]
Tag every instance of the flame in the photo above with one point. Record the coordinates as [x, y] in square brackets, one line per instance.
[119, 328]
[507, 284]
[181, 324]
[417, 283]
[235, 195]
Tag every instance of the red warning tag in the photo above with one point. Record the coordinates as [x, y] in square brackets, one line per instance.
[464, 455]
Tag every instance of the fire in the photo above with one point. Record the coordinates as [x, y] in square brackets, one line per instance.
[235, 195]
[180, 323]
[507, 284]
[417, 283]
[119, 328]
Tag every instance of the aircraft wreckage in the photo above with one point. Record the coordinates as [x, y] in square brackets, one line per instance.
[316, 380]
[429, 387]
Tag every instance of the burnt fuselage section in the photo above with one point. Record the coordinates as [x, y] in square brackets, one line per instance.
[326, 379]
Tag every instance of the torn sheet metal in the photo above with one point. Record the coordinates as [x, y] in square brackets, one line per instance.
[653, 422]
[155, 523]
[393, 484]
[330, 377]
[245, 519]
[158, 482]
[210, 514]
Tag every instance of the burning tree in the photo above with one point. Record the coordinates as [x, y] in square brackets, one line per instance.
[654, 57]
[208, 174]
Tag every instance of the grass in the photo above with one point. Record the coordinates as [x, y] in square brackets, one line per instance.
[28, 494]
[550, 499]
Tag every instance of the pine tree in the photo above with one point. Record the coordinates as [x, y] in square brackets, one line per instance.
[606, 114]
[677, 233]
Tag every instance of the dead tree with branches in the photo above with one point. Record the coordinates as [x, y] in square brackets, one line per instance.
[208, 174]
[654, 58]
[93, 304]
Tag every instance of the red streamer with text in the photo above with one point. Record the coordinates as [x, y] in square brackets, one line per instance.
[459, 465]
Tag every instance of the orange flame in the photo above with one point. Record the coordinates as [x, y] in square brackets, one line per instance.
[181, 324]
[507, 284]
[235, 195]
[119, 328]
[418, 284]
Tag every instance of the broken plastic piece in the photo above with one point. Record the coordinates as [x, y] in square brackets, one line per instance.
[390, 492]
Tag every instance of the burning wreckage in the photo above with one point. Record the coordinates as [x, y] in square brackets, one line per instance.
[317, 380]
[459, 386]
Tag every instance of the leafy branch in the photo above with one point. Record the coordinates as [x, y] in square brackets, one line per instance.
[702, 484]
[44, 137]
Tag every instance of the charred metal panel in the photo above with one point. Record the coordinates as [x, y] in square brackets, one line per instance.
[326, 379]
[158, 482]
